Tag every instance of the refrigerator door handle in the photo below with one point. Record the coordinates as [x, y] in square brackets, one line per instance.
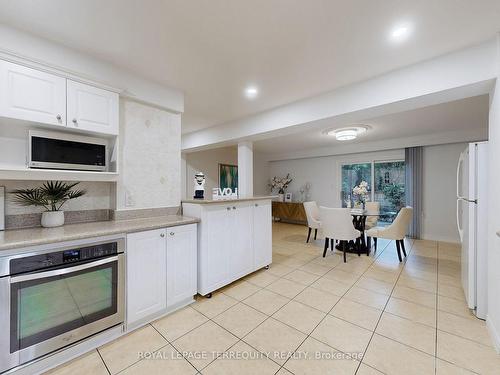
[460, 229]
[460, 162]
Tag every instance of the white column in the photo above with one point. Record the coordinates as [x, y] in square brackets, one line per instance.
[184, 193]
[245, 169]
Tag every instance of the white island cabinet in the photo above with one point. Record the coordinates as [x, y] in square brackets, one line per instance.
[161, 272]
[234, 239]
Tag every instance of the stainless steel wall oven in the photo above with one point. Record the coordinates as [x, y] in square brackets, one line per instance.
[58, 296]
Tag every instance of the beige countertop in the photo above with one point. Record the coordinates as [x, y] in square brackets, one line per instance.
[223, 201]
[17, 238]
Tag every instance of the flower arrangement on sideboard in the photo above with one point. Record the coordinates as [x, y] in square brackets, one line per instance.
[280, 184]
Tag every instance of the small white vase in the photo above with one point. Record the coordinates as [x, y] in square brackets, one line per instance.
[281, 197]
[52, 219]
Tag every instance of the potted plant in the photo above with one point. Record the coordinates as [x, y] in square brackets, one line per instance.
[280, 184]
[361, 192]
[52, 195]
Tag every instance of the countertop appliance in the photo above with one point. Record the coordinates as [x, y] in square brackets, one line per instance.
[66, 151]
[472, 194]
[59, 295]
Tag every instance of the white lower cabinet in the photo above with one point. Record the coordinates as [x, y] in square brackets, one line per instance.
[161, 272]
[234, 239]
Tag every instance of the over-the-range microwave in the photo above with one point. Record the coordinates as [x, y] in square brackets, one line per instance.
[53, 150]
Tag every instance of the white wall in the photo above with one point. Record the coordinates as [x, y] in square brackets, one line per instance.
[208, 163]
[323, 173]
[439, 192]
[260, 174]
[493, 318]
[150, 162]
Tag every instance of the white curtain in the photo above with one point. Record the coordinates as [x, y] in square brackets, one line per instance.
[413, 185]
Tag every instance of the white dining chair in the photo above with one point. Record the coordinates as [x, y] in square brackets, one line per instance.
[336, 224]
[372, 220]
[313, 222]
[396, 231]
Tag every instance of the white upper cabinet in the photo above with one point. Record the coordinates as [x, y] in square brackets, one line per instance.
[32, 95]
[92, 109]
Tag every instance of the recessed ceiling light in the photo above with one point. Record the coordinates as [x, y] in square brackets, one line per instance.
[251, 92]
[347, 134]
[400, 32]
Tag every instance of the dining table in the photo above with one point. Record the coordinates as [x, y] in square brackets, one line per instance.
[359, 216]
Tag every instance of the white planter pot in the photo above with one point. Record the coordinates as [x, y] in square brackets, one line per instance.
[52, 219]
[281, 197]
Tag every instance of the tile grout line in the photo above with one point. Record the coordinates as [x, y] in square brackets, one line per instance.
[437, 298]
[103, 361]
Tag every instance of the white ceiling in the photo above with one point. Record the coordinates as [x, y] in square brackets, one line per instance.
[290, 49]
[465, 114]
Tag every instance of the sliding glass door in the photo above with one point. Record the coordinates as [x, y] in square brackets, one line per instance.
[387, 179]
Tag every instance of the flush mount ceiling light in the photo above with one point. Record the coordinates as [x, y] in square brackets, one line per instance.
[251, 92]
[347, 134]
[400, 32]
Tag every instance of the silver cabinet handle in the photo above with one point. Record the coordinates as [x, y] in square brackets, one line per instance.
[234, 208]
[75, 121]
[256, 205]
[162, 235]
[172, 233]
[58, 117]
[228, 208]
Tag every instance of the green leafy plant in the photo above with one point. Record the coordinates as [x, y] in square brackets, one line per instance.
[395, 194]
[52, 195]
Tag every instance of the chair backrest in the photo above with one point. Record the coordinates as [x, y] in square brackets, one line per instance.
[312, 212]
[372, 207]
[400, 224]
[336, 223]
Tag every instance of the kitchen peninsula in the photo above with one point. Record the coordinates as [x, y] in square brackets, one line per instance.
[234, 239]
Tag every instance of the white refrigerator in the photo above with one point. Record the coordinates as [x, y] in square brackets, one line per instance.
[472, 194]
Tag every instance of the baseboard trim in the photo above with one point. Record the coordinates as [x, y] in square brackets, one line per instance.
[494, 334]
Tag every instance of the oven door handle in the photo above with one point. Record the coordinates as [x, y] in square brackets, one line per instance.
[63, 271]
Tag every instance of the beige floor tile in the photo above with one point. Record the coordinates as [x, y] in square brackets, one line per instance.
[318, 358]
[331, 286]
[446, 368]
[454, 306]
[367, 370]
[240, 290]
[90, 363]
[331, 259]
[416, 335]
[280, 269]
[472, 329]
[375, 285]
[284, 371]
[449, 280]
[299, 316]
[342, 276]
[211, 307]
[415, 296]
[286, 288]
[125, 351]
[294, 262]
[429, 276]
[367, 297]
[467, 354]
[342, 335]
[201, 344]
[179, 323]
[302, 277]
[356, 313]
[451, 291]
[241, 359]
[318, 299]
[315, 268]
[388, 277]
[165, 361]
[275, 337]
[304, 255]
[261, 278]
[412, 311]
[420, 284]
[393, 358]
[240, 319]
[266, 301]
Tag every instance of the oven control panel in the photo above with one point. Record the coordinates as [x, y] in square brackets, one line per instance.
[63, 257]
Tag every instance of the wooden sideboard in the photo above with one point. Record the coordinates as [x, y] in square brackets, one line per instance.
[292, 212]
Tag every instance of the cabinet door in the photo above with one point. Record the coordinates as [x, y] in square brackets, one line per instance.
[262, 234]
[240, 251]
[146, 275]
[217, 240]
[92, 109]
[32, 95]
[181, 264]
